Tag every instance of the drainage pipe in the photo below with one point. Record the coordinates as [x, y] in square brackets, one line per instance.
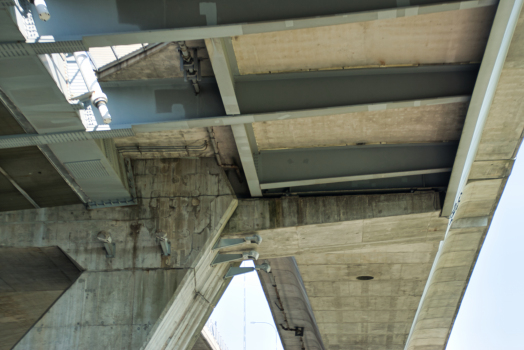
[98, 98]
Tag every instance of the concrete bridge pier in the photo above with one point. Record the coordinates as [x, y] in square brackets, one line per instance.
[137, 299]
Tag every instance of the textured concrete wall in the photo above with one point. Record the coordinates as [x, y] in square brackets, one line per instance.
[392, 238]
[500, 141]
[119, 303]
[293, 226]
[446, 37]
[31, 279]
[434, 123]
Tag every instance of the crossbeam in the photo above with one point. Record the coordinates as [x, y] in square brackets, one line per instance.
[310, 225]
[118, 20]
[173, 103]
[244, 140]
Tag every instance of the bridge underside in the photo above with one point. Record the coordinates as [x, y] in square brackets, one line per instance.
[367, 143]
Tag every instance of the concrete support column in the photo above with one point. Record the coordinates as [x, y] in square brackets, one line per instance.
[140, 298]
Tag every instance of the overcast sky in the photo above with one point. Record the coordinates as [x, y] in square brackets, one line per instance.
[492, 313]
[491, 316]
[229, 314]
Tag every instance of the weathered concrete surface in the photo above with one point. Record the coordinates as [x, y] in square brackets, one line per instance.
[31, 279]
[393, 238]
[433, 123]
[446, 37]
[206, 341]
[367, 314]
[139, 297]
[301, 226]
[501, 137]
[289, 305]
[161, 64]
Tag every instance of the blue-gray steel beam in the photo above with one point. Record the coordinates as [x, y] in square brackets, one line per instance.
[318, 112]
[245, 141]
[410, 161]
[308, 90]
[139, 102]
[121, 22]
[46, 151]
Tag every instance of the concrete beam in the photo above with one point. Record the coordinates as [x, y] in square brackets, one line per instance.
[295, 226]
[245, 141]
[244, 144]
[476, 203]
[289, 305]
[490, 70]
[118, 19]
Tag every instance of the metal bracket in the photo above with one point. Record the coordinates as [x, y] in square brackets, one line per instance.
[110, 247]
[235, 271]
[191, 68]
[299, 331]
[229, 242]
[225, 258]
[164, 243]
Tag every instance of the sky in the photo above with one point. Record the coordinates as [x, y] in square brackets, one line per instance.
[229, 315]
[492, 313]
[491, 316]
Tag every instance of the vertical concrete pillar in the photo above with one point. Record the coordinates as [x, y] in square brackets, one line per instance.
[138, 299]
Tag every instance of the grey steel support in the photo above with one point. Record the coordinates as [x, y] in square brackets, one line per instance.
[263, 93]
[306, 113]
[222, 69]
[230, 242]
[226, 258]
[48, 153]
[330, 180]
[13, 141]
[280, 96]
[41, 9]
[235, 271]
[98, 98]
[357, 167]
[116, 18]
[226, 85]
[17, 49]
[20, 189]
[171, 103]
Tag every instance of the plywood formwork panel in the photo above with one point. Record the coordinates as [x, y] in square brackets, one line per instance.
[434, 123]
[446, 37]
